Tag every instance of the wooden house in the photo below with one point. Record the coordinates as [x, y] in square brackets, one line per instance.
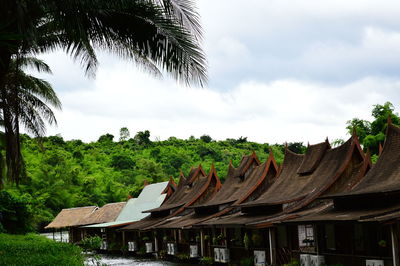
[361, 226]
[197, 187]
[302, 180]
[241, 184]
[71, 219]
[152, 196]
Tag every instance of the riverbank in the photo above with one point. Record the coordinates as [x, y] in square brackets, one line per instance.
[32, 249]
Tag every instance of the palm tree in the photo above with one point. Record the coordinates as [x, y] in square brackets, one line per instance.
[25, 100]
[159, 35]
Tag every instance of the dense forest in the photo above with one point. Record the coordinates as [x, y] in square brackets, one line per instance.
[62, 174]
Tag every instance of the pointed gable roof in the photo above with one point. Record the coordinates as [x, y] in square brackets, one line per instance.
[186, 191]
[245, 165]
[269, 169]
[313, 157]
[240, 180]
[296, 190]
[385, 175]
[170, 188]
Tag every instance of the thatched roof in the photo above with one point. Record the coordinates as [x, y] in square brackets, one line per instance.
[196, 188]
[71, 217]
[105, 214]
[384, 177]
[188, 188]
[242, 180]
[313, 157]
[295, 189]
[236, 189]
[365, 214]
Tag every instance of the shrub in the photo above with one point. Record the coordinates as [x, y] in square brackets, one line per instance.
[206, 261]
[91, 243]
[246, 241]
[183, 257]
[293, 262]
[16, 216]
[256, 239]
[33, 249]
[247, 261]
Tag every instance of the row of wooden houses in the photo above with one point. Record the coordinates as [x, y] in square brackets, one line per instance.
[329, 206]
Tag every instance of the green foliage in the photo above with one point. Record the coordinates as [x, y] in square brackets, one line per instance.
[121, 162]
[247, 261]
[246, 241]
[256, 239]
[371, 134]
[293, 262]
[206, 261]
[206, 138]
[91, 243]
[64, 174]
[124, 134]
[297, 147]
[16, 214]
[106, 138]
[142, 138]
[183, 257]
[162, 254]
[33, 249]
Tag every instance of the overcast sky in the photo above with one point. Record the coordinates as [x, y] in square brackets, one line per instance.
[282, 70]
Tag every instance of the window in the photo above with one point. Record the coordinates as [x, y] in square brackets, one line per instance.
[306, 235]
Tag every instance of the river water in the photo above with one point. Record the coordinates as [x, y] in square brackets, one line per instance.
[113, 260]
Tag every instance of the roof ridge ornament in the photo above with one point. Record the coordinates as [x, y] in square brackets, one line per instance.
[354, 132]
[380, 149]
[270, 153]
[389, 120]
[368, 155]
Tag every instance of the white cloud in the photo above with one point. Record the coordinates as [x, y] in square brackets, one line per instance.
[280, 70]
[283, 110]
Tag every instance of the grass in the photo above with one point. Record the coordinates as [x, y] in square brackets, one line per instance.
[32, 249]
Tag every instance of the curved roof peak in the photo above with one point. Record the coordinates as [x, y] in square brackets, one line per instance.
[313, 157]
[385, 175]
[195, 173]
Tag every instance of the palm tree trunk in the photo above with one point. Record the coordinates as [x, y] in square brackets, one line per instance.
[9, 98]
[5, 58]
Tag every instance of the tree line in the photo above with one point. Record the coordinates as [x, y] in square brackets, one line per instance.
[62, 174]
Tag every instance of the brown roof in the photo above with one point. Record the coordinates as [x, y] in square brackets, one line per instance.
[260, 177]
[385, 174]
[187, 189]
[170, 188]
[313, 157]
[238, 181]
[245, 165]
[298, 190]
[260, 220]
[105, 214]
[187, 193]
[362, 215]
[71, 217]
[148, 221]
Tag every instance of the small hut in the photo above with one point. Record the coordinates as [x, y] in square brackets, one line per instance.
[71, 219]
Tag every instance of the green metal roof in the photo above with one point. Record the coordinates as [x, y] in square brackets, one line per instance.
[149, 198]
